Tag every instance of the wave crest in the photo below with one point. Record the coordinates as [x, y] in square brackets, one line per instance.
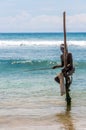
[5, 43]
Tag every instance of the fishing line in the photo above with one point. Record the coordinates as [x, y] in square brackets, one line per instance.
[39, 69]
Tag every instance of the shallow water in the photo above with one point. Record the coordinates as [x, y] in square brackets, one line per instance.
[29, 96]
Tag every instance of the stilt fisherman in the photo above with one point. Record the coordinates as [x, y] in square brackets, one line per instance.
[64, 78]
[66, 72]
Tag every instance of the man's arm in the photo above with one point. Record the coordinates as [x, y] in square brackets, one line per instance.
[70, 61]
[58, 66]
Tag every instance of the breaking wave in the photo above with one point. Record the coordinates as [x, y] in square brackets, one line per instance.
[11, 43]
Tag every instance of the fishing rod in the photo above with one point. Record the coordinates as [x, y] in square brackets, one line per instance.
[36, 69]
[40, 69]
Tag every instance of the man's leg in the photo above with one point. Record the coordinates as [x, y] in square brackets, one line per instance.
[60, 79]
[57, 79]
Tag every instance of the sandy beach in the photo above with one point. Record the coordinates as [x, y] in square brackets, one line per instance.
[58, 122]
[34, 118]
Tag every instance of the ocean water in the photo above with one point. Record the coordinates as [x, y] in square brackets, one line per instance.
[28, 93]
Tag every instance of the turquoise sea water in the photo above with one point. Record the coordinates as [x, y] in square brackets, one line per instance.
[29, 92]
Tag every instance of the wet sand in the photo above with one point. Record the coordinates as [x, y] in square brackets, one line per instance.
[62, 118]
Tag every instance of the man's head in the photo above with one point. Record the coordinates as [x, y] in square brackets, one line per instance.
[62, 48]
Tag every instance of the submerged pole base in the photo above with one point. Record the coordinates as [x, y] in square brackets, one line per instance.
[68, 98]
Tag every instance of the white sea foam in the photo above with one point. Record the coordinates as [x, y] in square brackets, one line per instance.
[77, 43]
[5, 43]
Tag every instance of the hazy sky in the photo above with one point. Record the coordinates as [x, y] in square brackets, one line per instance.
[42, 15]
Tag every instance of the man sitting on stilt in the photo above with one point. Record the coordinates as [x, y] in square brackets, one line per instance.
[66, 72]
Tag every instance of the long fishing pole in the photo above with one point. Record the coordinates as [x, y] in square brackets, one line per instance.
[34, 69]
[39, 69]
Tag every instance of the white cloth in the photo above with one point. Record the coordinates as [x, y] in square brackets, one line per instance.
[62, 87]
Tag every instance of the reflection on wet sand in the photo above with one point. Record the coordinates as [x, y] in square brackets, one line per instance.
[65, 119]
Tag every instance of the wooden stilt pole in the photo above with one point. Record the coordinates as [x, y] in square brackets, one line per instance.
[65, 44]
[68, 98]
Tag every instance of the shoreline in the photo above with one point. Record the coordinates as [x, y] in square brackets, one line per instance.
[66, 120]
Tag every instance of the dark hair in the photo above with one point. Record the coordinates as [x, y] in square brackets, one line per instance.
[61, 46]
